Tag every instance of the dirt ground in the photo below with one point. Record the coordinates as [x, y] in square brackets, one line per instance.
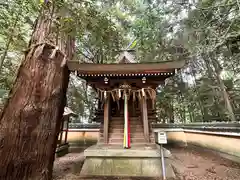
[194, 164]
[188, 163]
[68, 166]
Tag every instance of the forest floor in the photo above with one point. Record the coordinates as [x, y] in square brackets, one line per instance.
[193, 163]
[188, 163]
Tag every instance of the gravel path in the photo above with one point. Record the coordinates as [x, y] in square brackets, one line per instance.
[188, 163]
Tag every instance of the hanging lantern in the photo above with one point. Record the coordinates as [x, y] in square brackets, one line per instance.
[144, 80]
[106, 80]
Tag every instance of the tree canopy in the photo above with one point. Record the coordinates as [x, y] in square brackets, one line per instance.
[204, 33]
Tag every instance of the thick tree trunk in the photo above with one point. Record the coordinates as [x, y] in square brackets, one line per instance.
[30, 121]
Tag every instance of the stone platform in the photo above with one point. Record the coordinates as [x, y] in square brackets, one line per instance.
[62, 150]
[138, 161]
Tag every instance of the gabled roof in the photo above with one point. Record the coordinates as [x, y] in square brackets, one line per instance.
[130, 69]
[68, 111]
[125, 57]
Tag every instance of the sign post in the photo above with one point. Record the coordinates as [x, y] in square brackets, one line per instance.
[162, 139]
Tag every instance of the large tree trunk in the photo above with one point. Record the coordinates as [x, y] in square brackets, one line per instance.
[30, 121]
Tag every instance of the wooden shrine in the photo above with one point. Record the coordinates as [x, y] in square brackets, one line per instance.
[126, 93]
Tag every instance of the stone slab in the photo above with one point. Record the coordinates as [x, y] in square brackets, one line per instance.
[62, 150]
[117, 151]
[139, 161]
[124, 166]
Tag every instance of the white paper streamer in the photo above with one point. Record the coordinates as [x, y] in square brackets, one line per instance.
[105, 94]
[143, 92]
[119, 93]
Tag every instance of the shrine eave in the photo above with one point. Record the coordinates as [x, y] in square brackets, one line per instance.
[131, 69]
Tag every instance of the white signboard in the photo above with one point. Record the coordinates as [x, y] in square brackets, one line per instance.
[162, 138]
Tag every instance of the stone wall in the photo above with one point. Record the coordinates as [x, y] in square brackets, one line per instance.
[225, 144]
[229, 145]
[177, 138]
[223, 140]
[79, 139]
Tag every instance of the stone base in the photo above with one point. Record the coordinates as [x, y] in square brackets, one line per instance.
[116, 161]
[62, 150]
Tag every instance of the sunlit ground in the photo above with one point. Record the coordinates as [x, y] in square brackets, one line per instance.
[188, 163]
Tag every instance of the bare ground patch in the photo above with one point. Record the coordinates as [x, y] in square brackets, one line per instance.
[188, 163]
[192, 163]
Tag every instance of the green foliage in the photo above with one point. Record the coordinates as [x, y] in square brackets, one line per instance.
[204, 33]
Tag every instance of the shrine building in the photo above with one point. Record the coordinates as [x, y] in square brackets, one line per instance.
[127, 96]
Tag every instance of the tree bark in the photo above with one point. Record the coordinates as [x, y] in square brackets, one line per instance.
[30, 121]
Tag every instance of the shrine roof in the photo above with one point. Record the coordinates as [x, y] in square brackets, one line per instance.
[68, 111]
[130, 69]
